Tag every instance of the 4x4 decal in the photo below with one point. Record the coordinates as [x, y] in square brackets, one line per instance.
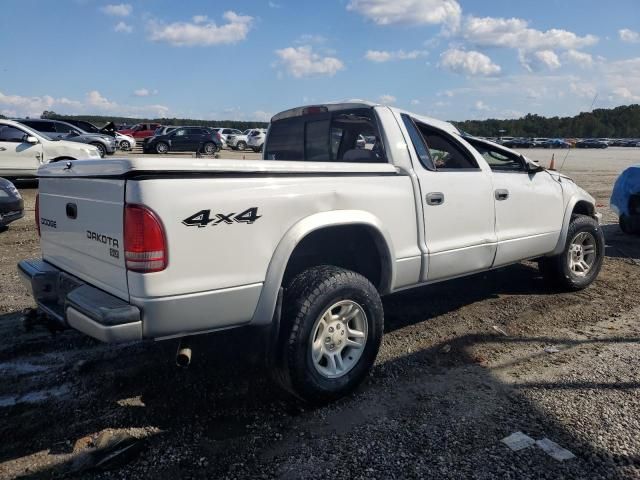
[204, 218]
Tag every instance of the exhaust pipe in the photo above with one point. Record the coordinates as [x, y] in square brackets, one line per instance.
[183, 356]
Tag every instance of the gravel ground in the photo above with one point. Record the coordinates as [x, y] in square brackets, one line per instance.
[463, 365]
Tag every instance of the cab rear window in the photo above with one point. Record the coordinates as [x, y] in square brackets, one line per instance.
[340, 136]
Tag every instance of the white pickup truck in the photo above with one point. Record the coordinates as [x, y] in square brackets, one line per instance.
[303, 242]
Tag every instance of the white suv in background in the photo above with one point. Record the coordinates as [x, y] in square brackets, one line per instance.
[226, 132]
[23, 150]
[255, 139]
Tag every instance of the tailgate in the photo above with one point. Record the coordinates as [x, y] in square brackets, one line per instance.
[81, 225]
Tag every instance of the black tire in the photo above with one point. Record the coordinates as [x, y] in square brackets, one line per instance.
[101, 148]
[162, 148]
[255, 149]
[209, 148]
[306, 298]
[125, 146]
[556, 269]
[628, 226]
[241, 145]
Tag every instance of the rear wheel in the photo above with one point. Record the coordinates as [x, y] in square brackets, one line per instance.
[209, 148]
[581, 260]
[101, 149]
[332, 323]
[162, 148]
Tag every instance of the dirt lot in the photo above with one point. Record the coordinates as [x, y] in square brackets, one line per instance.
[463, 365]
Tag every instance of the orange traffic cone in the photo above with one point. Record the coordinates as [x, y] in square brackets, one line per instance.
[552, 165]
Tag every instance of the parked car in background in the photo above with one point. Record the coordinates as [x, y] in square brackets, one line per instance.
[164, 130]
[58, 129]
[108, 129]
[625, 200]
[184, 139]
[225, 132]
[11, 203]
[255, 139]
[23, 150]
[555, 143]
[124, 142]
[591, 143]
[237, 142]
[141, 131]
[519, 143]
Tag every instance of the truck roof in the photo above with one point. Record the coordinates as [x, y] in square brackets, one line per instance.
[351, 104]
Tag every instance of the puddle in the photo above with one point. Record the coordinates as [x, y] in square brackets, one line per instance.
[36, 396]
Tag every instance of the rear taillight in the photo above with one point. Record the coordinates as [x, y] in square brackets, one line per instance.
[145, 245]
[38, 212]
[218, 136]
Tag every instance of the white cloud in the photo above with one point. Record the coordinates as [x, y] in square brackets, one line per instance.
[412, 12]
[123, 27]
[381, 56]
[203, 32]
[515, 33]
[583, 89]
[94, 102]
[415, 102]
[481, 106]
[387, 99]
[625, 94]
[304, 62]
[261, 116]
[582, 59]
[144, 92]
[200, 19]
[468, 62]
[540, 60]
[274, 5]
[629, 36]
[118, 10]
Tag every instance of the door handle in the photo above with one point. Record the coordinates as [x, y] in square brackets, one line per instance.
[2, 149]
[502, 194]
[435, 198]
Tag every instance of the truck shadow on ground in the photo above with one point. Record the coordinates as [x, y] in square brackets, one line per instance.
[223, 409]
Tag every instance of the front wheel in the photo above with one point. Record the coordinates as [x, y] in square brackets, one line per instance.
[101, 149]
[241, 145]
[581, 260]
[125, 145]
[332, 324]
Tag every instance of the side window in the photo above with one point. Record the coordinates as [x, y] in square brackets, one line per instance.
[11, 134]
[444, 152]
[63, 128]
[45, 127]
[418, 143]
[499, 160]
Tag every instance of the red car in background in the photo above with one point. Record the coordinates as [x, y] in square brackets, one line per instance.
[141, 130]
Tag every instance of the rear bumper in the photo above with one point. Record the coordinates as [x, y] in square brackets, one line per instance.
[73, 303]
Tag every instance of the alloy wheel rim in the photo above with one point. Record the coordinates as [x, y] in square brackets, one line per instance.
[338, 339]
[582, 254]
[162, 148]
[209, 149]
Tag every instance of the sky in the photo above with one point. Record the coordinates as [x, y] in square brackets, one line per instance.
[247, 60]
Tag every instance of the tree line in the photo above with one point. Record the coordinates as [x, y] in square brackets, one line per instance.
[619, 122]
[101, 120]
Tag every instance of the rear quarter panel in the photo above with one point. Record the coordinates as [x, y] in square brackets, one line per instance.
[223, 255]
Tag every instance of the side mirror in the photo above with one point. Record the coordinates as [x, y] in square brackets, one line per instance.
[533, 168]
[74, 133]
[31, 139]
